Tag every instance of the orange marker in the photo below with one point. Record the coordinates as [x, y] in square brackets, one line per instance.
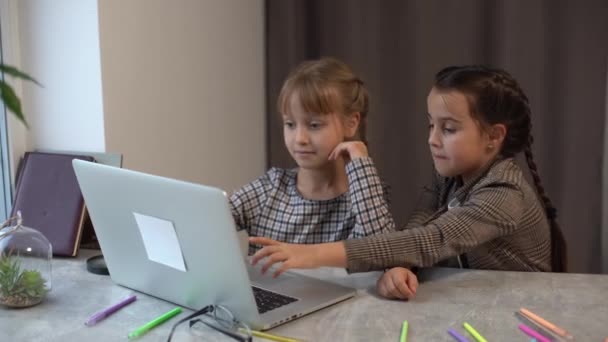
[559, 331]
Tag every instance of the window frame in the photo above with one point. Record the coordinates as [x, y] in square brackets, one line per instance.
[6, 188]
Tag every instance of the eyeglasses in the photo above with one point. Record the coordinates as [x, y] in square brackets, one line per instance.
[218, 318]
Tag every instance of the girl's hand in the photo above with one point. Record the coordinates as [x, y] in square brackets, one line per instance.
[349, 150]
[290, 255]
[398, 282]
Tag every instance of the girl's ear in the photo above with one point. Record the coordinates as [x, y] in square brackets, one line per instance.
[351, 124]
[496, 135]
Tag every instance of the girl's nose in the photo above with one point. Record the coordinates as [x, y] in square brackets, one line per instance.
[301, 136]
[434, 137]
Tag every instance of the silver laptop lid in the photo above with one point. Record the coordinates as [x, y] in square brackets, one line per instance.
[171, 239]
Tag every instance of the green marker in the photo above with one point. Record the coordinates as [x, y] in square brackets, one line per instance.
[153, 323]
[473, 332]
[404, 332]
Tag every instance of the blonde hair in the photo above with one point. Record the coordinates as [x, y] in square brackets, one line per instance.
[325, 86]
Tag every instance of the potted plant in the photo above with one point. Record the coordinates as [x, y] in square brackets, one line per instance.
[8, 95]
[25, 264]
[20, 287]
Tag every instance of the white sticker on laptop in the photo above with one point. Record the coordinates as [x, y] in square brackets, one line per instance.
[160, 241]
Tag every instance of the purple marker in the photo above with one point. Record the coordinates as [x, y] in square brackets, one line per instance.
[107, 312]
[457, 336]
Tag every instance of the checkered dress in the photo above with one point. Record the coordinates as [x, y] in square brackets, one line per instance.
[272, 207]
[494, 221]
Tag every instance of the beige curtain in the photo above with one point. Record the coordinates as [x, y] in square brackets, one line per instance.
[557, 49]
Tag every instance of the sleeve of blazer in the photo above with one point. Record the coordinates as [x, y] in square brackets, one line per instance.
[491, 211]
[427, 204]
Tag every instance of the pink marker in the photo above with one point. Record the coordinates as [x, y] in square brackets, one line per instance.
[532, 333]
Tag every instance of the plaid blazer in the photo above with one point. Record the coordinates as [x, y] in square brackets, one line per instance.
[493, 221]
[271, 206]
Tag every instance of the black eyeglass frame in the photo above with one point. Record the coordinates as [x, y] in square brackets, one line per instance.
[213, 309]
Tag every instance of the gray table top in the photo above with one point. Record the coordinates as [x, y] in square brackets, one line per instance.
[446, 298]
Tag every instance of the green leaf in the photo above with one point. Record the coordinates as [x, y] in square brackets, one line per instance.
[10, 70]
[18, 283]
[11, 101]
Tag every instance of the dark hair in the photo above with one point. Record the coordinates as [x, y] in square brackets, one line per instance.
[325, 86]
[495, 97]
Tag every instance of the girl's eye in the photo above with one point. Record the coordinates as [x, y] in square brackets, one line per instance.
[315, 125]
[449, 130]
[431, 126]
[289, 124]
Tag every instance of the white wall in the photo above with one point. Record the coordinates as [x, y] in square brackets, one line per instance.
[183, 85]
[177, 87]
[59, 44]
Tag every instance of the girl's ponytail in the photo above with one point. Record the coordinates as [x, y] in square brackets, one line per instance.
[558, 242]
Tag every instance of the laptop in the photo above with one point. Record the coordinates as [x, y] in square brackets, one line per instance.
[177, 241]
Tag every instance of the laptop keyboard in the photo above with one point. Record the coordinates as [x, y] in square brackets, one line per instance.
[268, 300]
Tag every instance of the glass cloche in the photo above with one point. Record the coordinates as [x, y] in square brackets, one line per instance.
[25, 264]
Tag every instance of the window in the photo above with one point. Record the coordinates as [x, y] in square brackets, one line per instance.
[5, 175]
